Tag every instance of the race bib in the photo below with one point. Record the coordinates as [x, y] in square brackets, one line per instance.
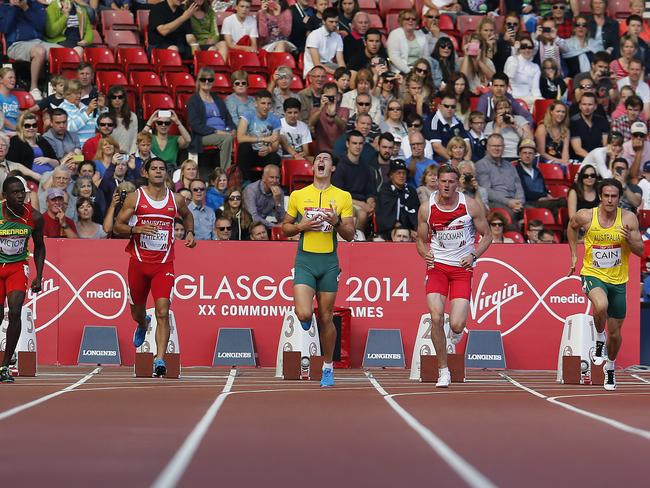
[453, 238]
[319, 214]
[157, 242]
[606, 256]
[12, 245]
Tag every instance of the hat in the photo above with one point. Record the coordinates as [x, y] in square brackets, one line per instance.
[55, 193]
[646, 167]
[27, 190]
[529, 143]
[396, 165]
[639, 127]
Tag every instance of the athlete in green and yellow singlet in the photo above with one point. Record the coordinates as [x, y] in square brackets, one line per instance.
[317, 213]
[611, 234]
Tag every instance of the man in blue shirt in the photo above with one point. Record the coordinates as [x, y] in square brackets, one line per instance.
[441, 127]
[204, 216]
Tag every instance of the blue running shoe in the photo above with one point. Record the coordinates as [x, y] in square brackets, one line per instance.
[159, 367]
[327, 379]
[139, 333]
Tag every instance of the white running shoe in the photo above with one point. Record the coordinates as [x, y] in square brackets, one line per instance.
[610, 380]
[455, 337]
[444, 379]
[598, 356]
[36, 94]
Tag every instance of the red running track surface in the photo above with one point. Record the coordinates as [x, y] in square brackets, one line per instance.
[497, 429]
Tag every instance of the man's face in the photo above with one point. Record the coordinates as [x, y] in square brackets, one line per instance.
[634, 70]
[386, 149]
[526, 155]
[447, 184]
[331, 92]
[633, 113]
[198, 192]
[599, 68]
[417, 145]
[243, 8]
[15, 194]
[86, 170]
[60, 179]
[331, 24]
[587, 106]
[549, 36]
[85, 76]
[55, 205]
[499, 88]
[259, 234]
[363, 125]
[620, 169]
[609, 198]
[447, 107]
[323, 165]
[360, 23]
[317, 78]
[355, 145]
[59, 124]
[3, 149]
[105, 126]
[495, 147]
[223, 229]
[533, 233]
[157, 172]
[634, 28]
[263, 106]
[432, 18]
[363, 104]
[401, 235]
[291, 115]
[398, 178]
[271, 177]
[373, 43]
[120, 168]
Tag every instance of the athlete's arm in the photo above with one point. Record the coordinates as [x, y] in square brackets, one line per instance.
[482, 228]
[39, 251]
[580, 220]
[188, 220]
[122, 221]
[632, 234]
[421, 243]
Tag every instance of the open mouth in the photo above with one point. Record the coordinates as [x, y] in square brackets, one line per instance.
[321, 167]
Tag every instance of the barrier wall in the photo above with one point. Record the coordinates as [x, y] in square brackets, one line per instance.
[521, 290]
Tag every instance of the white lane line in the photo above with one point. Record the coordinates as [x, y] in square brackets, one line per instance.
[172, 473]
[586, 413]
[640, 378]
[43, 399]
[463, 469]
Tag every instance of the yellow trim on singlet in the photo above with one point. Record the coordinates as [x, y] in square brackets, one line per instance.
[606, 251]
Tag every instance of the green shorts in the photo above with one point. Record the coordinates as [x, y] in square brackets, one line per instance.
[616, 297]
[318, 271]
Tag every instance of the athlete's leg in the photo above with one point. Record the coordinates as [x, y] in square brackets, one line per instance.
[458, 314]
[326, 327]
[303, 302]
[162, 326]
[598, 299]
[436, 305]
[15, 300]
[614, 337]
[138, 313]
[139, 286]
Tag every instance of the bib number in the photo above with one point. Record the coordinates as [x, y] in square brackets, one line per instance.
[606, 257]
[319, 214]
[157, 242]
[12, 246]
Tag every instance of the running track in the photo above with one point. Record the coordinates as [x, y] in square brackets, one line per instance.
[99, 427]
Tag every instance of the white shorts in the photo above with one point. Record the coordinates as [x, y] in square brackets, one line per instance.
[21, 50]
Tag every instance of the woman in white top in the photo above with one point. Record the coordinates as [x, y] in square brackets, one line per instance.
[477, 65]
[406, 44]
[126, 122]
[523, 73]
[574, 50]
[601, 158]
[364, 84]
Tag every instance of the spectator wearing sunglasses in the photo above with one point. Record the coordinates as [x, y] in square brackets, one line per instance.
[239, 101]
[583, 193]
[105, 128]
[562, 15]
[126, 122]
[166, 146]
[497, 225]
[523, 73]
[222, 229]
[578, 49]
[405, 44]
[204, 217]
[506, 42]
[442, 126]
[431, 28]
[239, 217]
[602, 27]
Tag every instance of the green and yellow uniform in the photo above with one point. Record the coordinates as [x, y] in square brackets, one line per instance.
[605, 264]
[317, 264]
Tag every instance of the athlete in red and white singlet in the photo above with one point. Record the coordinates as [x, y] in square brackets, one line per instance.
[447, 227]
[148, 217]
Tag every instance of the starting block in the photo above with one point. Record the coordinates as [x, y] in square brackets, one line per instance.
[303, 344]
[578, 343]
[297, 367]
[573, 372]
[143, 367]
[429, 368]
[26, 347]
[424, 345]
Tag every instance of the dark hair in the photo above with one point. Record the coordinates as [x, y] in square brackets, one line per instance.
[578, 186]
[411, 118]
[84, 65]
[58, 111]
[615, 138]
[500, 75]
[373, 30]
[609, 182]
[341, 71]
[386, 136]
[9, 181]
[256, 223]
[88, 161]
[634, 101]
[329, 13]
[353, 133]
[106, 115]
[601, 56]
[588, 95]
[125, 111]
[450, 91]
[620, 160]
[263, 94]
[447, 168]
[330, 85]
[147, 164]
[632, 17]
[291, 103]
[535, 223]
[545, 232]
[82, 200]
[447, 65]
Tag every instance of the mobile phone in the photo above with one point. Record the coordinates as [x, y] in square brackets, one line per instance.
[619, 171]
[473, 48]
[122, 195]
[124, 157]
[77, 158]
[164, 114]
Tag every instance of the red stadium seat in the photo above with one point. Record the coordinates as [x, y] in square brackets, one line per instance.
[246, 61]
[165, 60]
[540, 108]
[544, 215]
[276, 233]
[134, 58]
[552, 172]
[61, 58]
[275, 60]
[296, 173]
[221, 84]
[369, 6]
[105, 79]
[446, 23]
[155, 101]
[256, 83]
[296, 83]
[558, 190]
[644, 219]
[388, 6]
[505, 213]
[117, 20]
[619, 9]
[119, 38]
[563, 217]
[467, 24]
[210, 59]
[221, 16]
[142, 20]
[376, 22]
[574, 168]
[25, 99]
[100, 58]
[392, 21]
[181, 105]
[179, 82]
[146, 81]
[98, 41]
[515, 236]
[584, 6]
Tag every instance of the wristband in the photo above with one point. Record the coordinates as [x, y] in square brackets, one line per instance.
[338, 222]
[187, 232]
[474, 257]
[131, 230]
[64, 226]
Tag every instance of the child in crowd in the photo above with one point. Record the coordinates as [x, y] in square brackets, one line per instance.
[216, 193]
[295, 134]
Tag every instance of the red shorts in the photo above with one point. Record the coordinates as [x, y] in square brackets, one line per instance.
[449, 281]
[155, 277]
[13, 277]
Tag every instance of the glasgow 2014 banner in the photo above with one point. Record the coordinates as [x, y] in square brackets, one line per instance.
[520, 290]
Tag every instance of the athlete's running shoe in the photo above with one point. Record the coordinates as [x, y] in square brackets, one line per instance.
[327, 379]
[139, 333]
[610, 380]
[598, 357]
[159, 367]
[455, 337]
[5, 375]
[444, 379]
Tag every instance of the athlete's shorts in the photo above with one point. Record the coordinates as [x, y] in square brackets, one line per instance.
[13, 277]
[616, 296]
[318, 271]
[450, 281]
[155, 277]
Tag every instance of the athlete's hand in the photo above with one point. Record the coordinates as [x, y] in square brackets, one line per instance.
[467, 262]
[37, 284]
[146, 229]
[428, 258]
[331, 217]
[572, 268]
[189, 241]
[309, 224]
[627, 232]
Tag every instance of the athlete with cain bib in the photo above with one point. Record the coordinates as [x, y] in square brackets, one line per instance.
[611, 234]
[18, 221]
[317, 213]
[447, 226]
[148, 217]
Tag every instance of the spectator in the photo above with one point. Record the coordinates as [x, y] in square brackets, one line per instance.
[506, 44]
[87, 228]
[551, 83]
[637, 150]
[223, 227]
[623, 124]
[179, 229]
[634, 28]
[279, 86]
[143, 152]
[632, 195]
[397, 203]
[23, 25]
[552, 135]
[84, 188]
[107, 148]
[381, 164]
[499, 88]
[636, 82]
[240, 30]
[329, 119]
[114, 5]
[274, 26]
[88, 169]
[533, 230]
[123, 190]
[116, 173]
[619, 67]
[386, 90]
[428, 183]
[406, 44]
[431, 28]
[240, 217]
[209, 119]
[442, 126]
[497, 226]
[217, 191]
[365, 85]
[500, 179]
[583, 194]
[358, 49]
[264, 199]
[469, 185]
[524, 73]
[561, 14]
[400, 234]
[258, 135]
[458, 150]
[513, 128]
[354, 175]
[7, 168]
[428, 72]
[239, 101]
[588, 131]
[47, 104]
[393, 121]
[445, 54]
[476, 135]
[68, 25]
[342, 78]
[294, 133]
[486, 35]
[204, 217]
[105, 128]
[536, 193]
[258, 232]
[170, 27]
[601, 27]
[126, 122]
[81, 119]
[85, 77]
[311, 97]
[362, 126]
[30, 150]
[477, 65]
[188, 172]
[60, 138]
[303, 20]
[585, 85]
[414, 99]
[458, 88]
[624, 93]
[546, 237]
[577, 50]
[324, 46]
[8, 102]
[204, 28]
[163, 145]
[644, 184]
[347, 9]
[55, 222]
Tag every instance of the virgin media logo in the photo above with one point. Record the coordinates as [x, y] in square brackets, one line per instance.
[505, 299]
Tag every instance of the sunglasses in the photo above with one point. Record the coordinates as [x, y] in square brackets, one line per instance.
[559, 7]
[581, 24]
[448, 106]
[525, 46]
[364, 104]
[234, 197]
[106, 124]
[198, 189]
[224, 228]
[395, 109]
[206, 80]
[407, 19]
[636, 134]
[496, 224]
[588, 175]
[421, 70]
[437, 17]
[240, 83]
[511, 24]
[117, 97]
[445, 46]
[30, 126]
[415, 126]
[163, 122]
[587, 87]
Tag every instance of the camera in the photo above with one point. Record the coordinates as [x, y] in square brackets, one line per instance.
[388, 75]
[619, 171]
[467, 178]
[122, 196]
[546, 30]
[508, 119]
[331, 98]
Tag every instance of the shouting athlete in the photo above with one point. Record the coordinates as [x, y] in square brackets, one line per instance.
[447, 225]
[18, 221]
[148, 217]
[322, 210]
[611, 234]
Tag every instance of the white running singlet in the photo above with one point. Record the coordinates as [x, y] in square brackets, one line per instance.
[451, 232]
